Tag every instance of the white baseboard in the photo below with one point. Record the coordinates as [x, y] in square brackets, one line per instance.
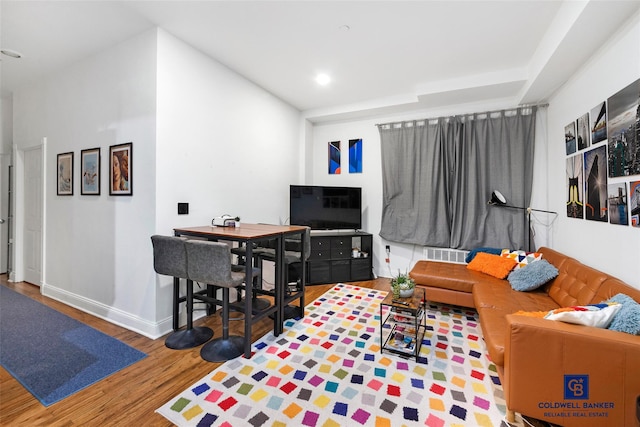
[118, 317]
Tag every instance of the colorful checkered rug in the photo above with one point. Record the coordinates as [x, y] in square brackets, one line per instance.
[327, 370]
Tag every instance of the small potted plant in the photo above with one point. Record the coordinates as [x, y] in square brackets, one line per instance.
[402, 285]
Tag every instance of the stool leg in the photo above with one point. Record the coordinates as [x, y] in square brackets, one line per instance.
[226, 347]
[192, 336]
[211, 293]
[189, 304]
[176, 303]
[257, 303]
[225, 313]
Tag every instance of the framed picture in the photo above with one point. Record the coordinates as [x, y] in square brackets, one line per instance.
[65, 174]
[570, 138]
[90, 172]
[334, 158]
[121, 169]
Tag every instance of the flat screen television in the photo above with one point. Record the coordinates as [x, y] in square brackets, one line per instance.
[325, 208]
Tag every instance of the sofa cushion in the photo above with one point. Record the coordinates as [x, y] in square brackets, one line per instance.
[522, 258]
[532, 277]
[493, 265]
[628, 318]
[448, 282]
[613, 286]
[494, 299]
[444, 275]
[576, 284]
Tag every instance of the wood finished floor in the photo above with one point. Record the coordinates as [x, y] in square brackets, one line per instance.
[130, 396]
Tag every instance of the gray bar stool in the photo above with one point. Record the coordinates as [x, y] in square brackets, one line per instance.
[292, 259]
[170, 259]
[210, 263]
[241, 251]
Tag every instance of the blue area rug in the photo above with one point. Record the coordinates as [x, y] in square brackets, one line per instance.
[53, 355]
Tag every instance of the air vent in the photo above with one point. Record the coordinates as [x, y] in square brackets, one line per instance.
[445, 255]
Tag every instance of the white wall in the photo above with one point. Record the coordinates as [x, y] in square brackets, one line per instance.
[403, 256]
[6, 124]
[224, 146]
[614, 249]
[610, 248]
[370, 179]
[204, 135]
[97, 253]
[201, 134]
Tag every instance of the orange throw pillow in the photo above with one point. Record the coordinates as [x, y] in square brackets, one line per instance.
[539, 314]
[493, 265]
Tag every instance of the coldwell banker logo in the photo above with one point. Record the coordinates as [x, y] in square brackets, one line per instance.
[576, 387]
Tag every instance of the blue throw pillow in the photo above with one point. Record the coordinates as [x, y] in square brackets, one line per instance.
[532, 276]
[628, 318]
[472, 253]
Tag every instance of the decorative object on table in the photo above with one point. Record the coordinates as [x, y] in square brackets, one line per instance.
[226, 220]
[327, 370]
[121, 169]
[402, 285]
[65, 174]
[90, 172]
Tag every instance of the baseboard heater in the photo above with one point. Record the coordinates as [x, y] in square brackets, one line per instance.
[445, 255]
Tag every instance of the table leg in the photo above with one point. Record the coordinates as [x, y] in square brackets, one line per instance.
[248, 296]
[303, 271]
[280, 286]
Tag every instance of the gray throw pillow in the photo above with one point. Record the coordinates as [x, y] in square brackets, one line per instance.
[628, 318]
[532, 276]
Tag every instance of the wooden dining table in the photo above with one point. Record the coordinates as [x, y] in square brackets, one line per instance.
[248, 234]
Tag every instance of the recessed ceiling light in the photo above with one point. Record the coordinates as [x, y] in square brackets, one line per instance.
[323, 79]
[344, 28]
[11, 53]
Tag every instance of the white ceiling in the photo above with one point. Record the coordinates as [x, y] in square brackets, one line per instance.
[397, 54]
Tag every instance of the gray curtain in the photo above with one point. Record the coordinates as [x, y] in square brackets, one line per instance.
[415, 179]
[439, 174]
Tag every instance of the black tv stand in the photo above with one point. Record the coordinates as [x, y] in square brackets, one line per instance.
[331, 259]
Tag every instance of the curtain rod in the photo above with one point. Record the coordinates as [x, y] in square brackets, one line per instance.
[467, 114]
[545, 105]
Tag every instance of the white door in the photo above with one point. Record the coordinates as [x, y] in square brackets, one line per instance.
[32, 245]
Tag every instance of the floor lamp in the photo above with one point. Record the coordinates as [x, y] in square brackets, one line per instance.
[497, 199]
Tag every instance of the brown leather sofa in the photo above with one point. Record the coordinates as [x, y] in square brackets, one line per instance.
[566, 374]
